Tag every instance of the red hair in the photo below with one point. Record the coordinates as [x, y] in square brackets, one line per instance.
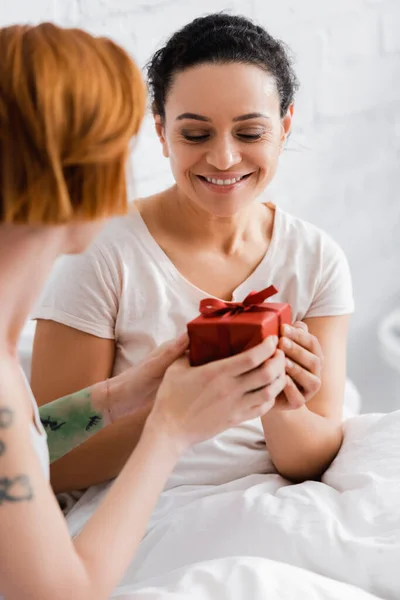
[69, 105]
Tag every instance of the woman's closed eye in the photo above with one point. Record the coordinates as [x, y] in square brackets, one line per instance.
[201, 135]
[195, 136]
[251, 135]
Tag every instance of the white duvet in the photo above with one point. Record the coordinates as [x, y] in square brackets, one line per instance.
[257, 537]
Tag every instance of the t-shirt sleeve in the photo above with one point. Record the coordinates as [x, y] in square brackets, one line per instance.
[82, 292]
[334, 293]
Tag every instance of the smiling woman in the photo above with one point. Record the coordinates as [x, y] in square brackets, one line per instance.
[222, 93]
[229, 142]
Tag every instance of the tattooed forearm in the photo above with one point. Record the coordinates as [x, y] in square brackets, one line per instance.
[15, 489]
[12, 489]
[69, 422]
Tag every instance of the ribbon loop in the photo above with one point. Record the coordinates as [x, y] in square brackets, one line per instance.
[254, 302]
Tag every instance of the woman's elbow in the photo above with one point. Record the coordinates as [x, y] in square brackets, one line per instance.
[312, 464]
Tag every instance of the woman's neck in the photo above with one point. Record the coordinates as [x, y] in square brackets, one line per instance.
[27, 254]
[225, 234]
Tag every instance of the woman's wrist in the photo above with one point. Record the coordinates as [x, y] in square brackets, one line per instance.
[101, 397]
[165, 432]
[156, 427]
[278, 415]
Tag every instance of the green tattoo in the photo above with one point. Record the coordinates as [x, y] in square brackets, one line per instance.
[69, 421]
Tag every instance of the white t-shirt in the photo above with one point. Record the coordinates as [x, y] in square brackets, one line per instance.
[124, 287]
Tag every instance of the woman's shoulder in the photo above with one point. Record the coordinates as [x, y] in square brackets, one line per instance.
[102, 263]
[119, 231]
[318, 266]
[302, 236]
[127, 228]
[121, 241]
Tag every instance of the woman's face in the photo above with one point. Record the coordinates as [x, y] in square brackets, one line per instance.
[223, 134]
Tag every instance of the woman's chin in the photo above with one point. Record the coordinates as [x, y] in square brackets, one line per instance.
[226, 207]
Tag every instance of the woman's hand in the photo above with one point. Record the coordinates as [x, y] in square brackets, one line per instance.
[136, 387]
[197, 403]
[304, 362]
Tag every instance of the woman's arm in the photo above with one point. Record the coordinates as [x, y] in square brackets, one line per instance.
[73, 419]
[304, 441]
[65, 361]
[53, 565]
[192, 404]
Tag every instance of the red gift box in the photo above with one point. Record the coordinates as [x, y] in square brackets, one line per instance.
[227, 328]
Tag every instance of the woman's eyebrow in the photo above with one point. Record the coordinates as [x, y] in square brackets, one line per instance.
[193, 116]
[196, 117]
[255, 115]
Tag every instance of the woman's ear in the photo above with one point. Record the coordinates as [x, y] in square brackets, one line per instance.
[160, 130]
[286, 125]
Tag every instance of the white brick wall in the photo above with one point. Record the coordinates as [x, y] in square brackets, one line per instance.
[341, 169]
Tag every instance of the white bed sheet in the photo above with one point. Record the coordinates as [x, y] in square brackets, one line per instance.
[242, 578]
[345, 528]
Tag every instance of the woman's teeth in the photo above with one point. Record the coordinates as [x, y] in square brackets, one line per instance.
[224, 181]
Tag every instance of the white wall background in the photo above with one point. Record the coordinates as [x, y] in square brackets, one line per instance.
[341, 169]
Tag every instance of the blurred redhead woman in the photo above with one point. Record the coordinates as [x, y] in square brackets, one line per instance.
[69, 106]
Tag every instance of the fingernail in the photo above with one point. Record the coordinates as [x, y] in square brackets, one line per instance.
[289, 363]
[287, 329]
[275, 340]
[286, 343]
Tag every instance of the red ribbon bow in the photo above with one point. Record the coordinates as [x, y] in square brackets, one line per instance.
[254, 302]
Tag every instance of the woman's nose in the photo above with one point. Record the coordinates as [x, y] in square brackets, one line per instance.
[223, 154]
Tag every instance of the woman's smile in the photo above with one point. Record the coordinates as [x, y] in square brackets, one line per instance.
[219, 183]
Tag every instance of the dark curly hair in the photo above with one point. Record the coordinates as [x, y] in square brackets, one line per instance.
[220, 38]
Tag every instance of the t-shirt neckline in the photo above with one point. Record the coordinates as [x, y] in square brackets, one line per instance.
[171, 271]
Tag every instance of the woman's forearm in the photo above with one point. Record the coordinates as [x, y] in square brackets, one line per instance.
[84, 569]
[302, 444]
[73, 419]
[101, 457]
[142, 480]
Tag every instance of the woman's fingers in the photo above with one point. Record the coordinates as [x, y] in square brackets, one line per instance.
[300, 355]
[306, 380]
[303, 338]
[195, 403]
[260, 402]
[245, 361]
[300, 325]
[304, 361]
[294, 398]
[160, 359]
[265, 374]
